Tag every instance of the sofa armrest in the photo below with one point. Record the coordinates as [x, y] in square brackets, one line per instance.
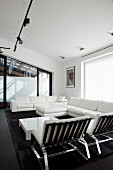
[13, 106]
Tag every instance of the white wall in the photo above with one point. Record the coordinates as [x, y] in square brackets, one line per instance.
[58, 69]
[77, 62]
[76, 91]
[39, 61]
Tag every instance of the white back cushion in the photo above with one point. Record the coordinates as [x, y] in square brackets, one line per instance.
[37, 99]
[22, 99]
[105, 106]
[51, 98]
[74, 101]
[89, 104]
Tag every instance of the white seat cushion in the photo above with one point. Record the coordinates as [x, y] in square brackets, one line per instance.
[91, 113]
[81, 111]
[105, 106]
[51, 108]
[75, 110]
[24, 105]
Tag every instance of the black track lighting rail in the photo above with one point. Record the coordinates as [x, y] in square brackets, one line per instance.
[26, 21]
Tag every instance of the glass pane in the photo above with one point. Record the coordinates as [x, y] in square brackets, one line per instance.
[43, 84]
[21, 79]
[1, 88]
[1, 79]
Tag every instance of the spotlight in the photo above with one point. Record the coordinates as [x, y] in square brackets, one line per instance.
[26, 21]
[20, 40]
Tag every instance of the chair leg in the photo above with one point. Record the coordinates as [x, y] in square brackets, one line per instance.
[75, 148]
[37, 155]
[45, 159]
[97, 144]
[83, 141]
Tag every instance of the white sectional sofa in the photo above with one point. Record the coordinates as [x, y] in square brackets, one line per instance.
[30, 102]
[76, 107]
[49, 105]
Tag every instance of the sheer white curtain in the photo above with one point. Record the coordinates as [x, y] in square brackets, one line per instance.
[98, 80]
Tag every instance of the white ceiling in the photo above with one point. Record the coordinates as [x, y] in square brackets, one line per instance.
[58, 27]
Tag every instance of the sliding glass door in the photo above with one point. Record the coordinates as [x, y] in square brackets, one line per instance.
[20, 79]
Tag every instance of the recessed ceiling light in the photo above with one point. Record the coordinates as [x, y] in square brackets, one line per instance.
[80, 48]
[110, 32]
[62, 57]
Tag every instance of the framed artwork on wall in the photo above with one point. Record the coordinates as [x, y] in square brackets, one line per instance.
[70, 75]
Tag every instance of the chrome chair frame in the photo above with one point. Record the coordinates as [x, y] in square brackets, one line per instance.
[103, 127]
[62, 133]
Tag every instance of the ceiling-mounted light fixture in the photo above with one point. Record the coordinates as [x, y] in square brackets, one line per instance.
[110, 32]
[25, 22]
[20, 40]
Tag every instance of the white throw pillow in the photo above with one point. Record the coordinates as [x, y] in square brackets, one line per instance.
[61, 98]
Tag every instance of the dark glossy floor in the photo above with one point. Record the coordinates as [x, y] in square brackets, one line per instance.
[8, 159]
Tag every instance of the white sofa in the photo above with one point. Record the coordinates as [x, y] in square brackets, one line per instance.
[30, 102]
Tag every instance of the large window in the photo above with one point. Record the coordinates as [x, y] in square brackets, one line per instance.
[98, 78]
